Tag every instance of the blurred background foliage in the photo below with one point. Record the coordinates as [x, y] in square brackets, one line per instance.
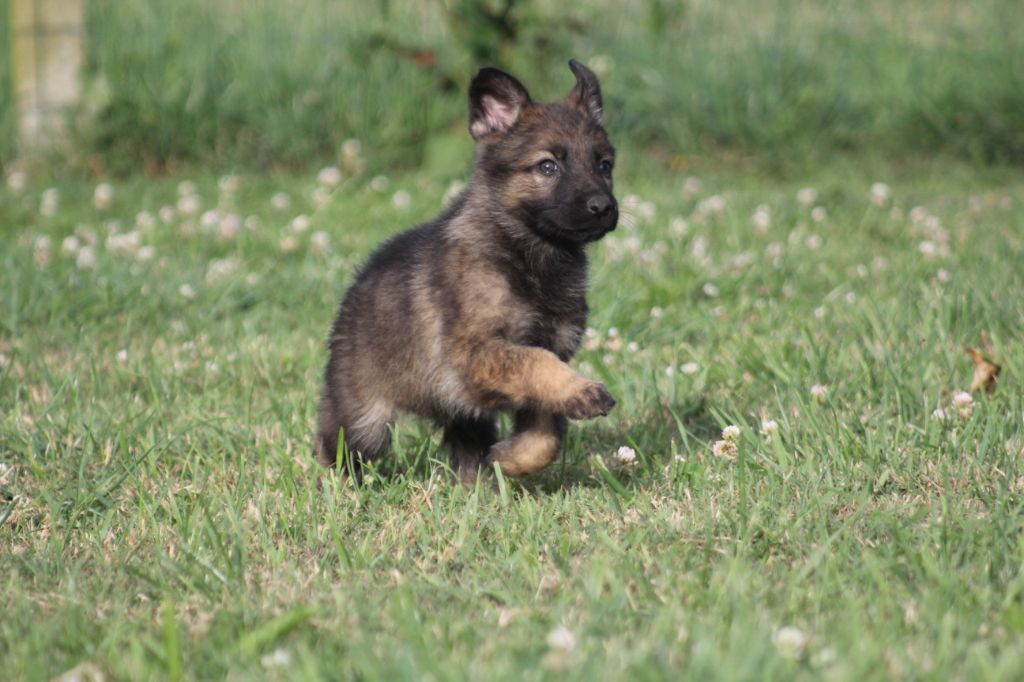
[283, 83]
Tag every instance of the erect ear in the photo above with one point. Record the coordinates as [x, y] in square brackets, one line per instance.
[587, 93]
[496, 100]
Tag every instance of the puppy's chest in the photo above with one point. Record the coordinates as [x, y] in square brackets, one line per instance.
[551, 313]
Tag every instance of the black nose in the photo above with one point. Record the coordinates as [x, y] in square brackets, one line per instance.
[600, 204]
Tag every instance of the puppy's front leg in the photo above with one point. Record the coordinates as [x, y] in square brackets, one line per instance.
[506, 375]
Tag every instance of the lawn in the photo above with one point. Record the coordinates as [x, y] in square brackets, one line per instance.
[161, 345]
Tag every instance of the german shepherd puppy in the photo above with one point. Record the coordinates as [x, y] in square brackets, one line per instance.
[477, 311]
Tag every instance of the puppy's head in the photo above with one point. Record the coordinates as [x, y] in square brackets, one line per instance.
[549, 165]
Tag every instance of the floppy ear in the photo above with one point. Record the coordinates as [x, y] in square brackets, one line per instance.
[496, 100]
[587, 93]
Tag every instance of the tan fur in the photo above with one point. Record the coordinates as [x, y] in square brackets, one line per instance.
[476, 312]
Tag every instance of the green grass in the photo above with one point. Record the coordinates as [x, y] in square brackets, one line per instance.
[160, 517]
[269, 84]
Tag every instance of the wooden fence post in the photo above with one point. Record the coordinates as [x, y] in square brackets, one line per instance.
[47, 46]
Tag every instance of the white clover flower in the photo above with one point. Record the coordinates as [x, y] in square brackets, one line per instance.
[299, 224]
[880, 194]
[647, 211]
[819, 392]
[320, 241]
[351, 147]
[321, 196]
[288, 243]
[964, 404]
[352, 155]
[807, 196]
[918, 214]
[220, 269]
[41, 250]
[928, 248]
[85, 258]
[127, 243]
[601, 65]
[210, 218]
[943, 276]
[939, 414]
[379, 183]
[762, 219]
[122, 355]
[726, 449]
[189, 204]
[401, 199]
[624, 457]
[670, 370]
[657, 313]
[790, 642]
[187, 291]
[814, 242]
[562, 639]
[731, 433]
[103, 196]
[679, 226]
[278, 658]
[144, 220]
[166, 214]
[689, 367]
[819, 214]
[329, 176]
[17, 181]
[691, 187]
[70, 245]
[49, 202]
[769, 427]
[710, 290]
[145, 253]
[280, 201]
[700, 247]
[713, 205]
[229, 227]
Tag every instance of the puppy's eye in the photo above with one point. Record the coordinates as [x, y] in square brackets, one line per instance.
[547, 167]
[605, 167]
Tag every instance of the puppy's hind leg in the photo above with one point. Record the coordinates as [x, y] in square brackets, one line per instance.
[469, 441]
[367, 435]
[535, 443]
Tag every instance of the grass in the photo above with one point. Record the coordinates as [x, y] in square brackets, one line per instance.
[266, 84]
[160, 518]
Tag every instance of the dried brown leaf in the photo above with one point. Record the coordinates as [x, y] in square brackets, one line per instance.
[985, 371]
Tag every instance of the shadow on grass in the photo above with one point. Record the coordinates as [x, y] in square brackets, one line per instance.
[662, 431]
